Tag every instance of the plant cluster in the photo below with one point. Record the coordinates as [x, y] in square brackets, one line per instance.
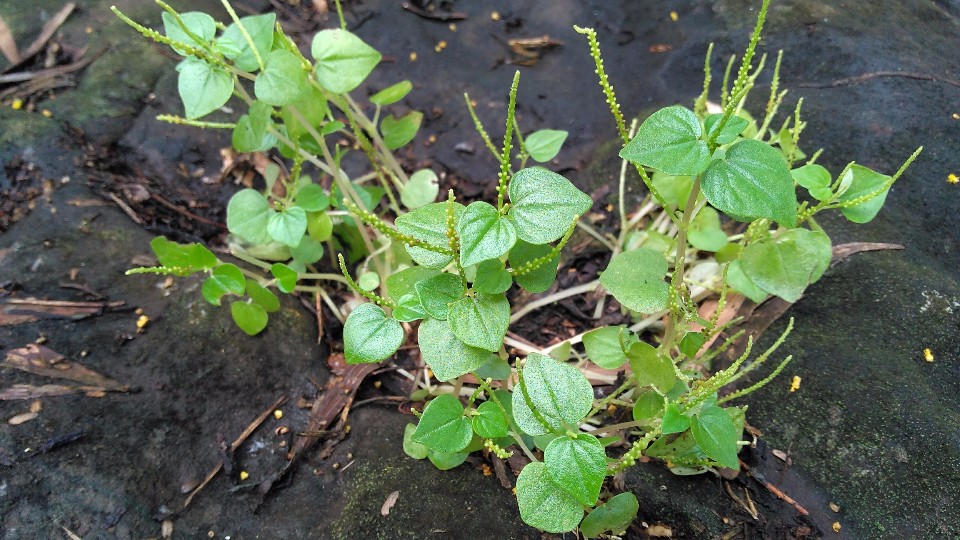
[449, 266]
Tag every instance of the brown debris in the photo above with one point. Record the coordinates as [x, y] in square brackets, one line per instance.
[18, 311]
[45, 362]
[49, 29]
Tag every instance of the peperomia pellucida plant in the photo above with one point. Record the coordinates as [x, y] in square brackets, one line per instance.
[450, 266]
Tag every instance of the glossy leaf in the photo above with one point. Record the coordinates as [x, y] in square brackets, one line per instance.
[543, 504]
[786, 263]
[442, 426]
[225, 279]
[489, 422]
[288, 226]
[635, 279]
[731, 130]
[409, 309]
[484, 234]
[812, 176]
[544, 204]
[607, 346]
[399, 131]
[561, 394]
[402, 283]
[369, 336]
[429, 223]
[540, 279]
[673, 420]
[752, 181]
[392, 94]
[312, 198]
[577, 465]
[203, 88]
[647, 405]
[308, 251]
[669, 140]
[651, 368]
[199, 23]
[613, 516]
[445, 461]
[705, 233]
[446, 355]
[492, 278]
[411, 447]
[286, 277]
[234, 45]
[717, 436]
[188, 257]
[262, 297]
[437, 293]
[864, 182]
[495, 368]
[422, 189]
[251, 318]
[248, 213]
[250, 133]
[674, 189]
[368, 281]
[739, 281]
[545, 144]
[343, 60]
[481, 320]
[319, 226]
[283, 81]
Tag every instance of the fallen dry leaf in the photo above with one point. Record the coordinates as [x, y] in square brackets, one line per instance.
[389, 503]
[22, 418]
[45, 362]
[660, 531]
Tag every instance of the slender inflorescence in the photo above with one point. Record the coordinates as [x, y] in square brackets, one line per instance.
[504, 174]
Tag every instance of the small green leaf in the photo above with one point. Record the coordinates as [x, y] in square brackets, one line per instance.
[399, 131]
[370, 336]
[409, 309]
[607, 346]
[540, 279]
[411, 447]
[248, 213]
[234, 45]
[492, 278]
[739, 282]
[286, 277]
[437, 293]
[188, 257]
[402, 283]
[864, 182]
[481, 320]
[442, 426]
[392, 94]
[447, 460]
[199, 23]
[422, 189]
[635, 279]
[784, 264]
[343, 60]
[669, 140]
[544, 204]
[674, 189]
[578, 465]
[368, 281]
[429, 224]
[561, 394]
[545, 144]
[446, 355]
[673, 420]
[691, 343]
[250, 133]
[312, 198]
[543, 504]
[308, 251]
[650, 367]
[313, 108]
[734, 126]
[614, 516]
[319, 226]
[484, 233]
[262, 297]
[203, 88]
[489, 422]
[717, 436]
[811, 176]
[288, 226]
[225, 279]
[647, 405]
[251, 318]
[495, 368]
[752, 181]
[283, 81]
[705, 233]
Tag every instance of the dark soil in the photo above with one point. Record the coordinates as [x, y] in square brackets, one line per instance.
[873, 428]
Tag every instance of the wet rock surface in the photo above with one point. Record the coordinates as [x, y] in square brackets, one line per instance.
[874, 427]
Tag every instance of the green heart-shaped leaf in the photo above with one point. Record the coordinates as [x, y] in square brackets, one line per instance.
[864, 182]
[262, 297]
[446, 355]
[543, 504]
[492, 278]
[392, 94]
[607, 346]
[544, 204]
[578, 465]
[283, 81]
[203, 88]
[635, 279]
[288, 226]
[481, 320]
[442, 426]
[200, 24]
[489, 422]
[651, 368]
[225, 279]
[545, 144]
[251, 318]
[421, 189]
[429, 223]
[669, 140]
[248, 213]
[343, 60]
[484, 234]
[234, 45]
[783, 265]
[730, 130]
[559, 392]
[187, 258]
[399, 131]
[540, 279]
[614, 516]
[286, 277]
[717, 435]
[369, 336]
[438, 292]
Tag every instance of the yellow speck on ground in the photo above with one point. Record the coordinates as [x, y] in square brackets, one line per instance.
[244, 475]
[956, 116]
[953, 179]
[495, 16]
[17, 104]
[46, 112]
[413, 57]
[795, 383]
[836, 526]
[278, 414]
[834, 507]
[142, 323]
[928, 355]
[674, 16]
[441, 45]
[487, 471]
[452, 27]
